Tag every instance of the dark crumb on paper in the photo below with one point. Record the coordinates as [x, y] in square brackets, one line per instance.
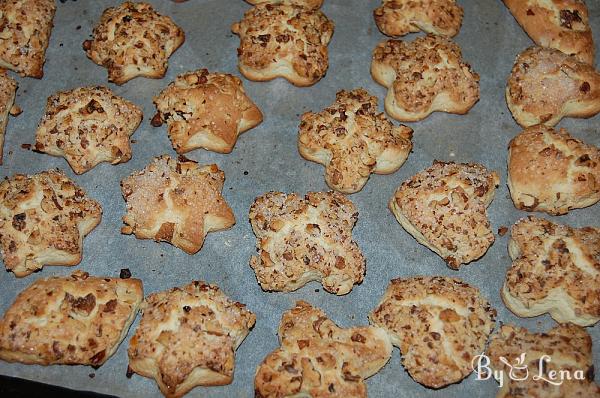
[317, 290]
[10, 152]
[156, 120]
[92, 375]
[133, 141]
[502, 230]
[125, 273]
[60, 45]
[26, 146]
[245, 173]
[78, 27]
[129, 373]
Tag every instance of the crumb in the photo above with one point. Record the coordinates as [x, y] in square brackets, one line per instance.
[26, 146]
[502, 230]
[125, 273]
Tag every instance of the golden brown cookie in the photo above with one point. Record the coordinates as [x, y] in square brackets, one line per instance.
[552, 171]
[317, 358]
[25, 27]
[444, 208]
[352, 139]
[568, 349]
[560, 24]
[44, 218]
[8, 89]
[87, 126]
[300, 240]
[72, 320]
[133, 40]
[187, 337]
[400, 17]
[283, 40]
[556, 269]
[176, 201]
[439, 324]
[546, 85]
[205, 110]
[424, 76]
[311, 4]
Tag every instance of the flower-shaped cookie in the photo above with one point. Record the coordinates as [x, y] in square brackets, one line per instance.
[286, 41]
[317, 358]
[205, 110]
[424, 76]
[352, 140]
[400, 17]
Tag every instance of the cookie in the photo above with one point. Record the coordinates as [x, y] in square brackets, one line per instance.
[176, 201]
[283, 40]
[352, 139]
[300, 240]
[69, 320]
[560, 24]
[87, 126]
[311, 4]
[133, 40]
[555, 269]
[546, 85]
[205, 110]
[424, 76]
[444, 208]
[44, 218]
[25, 27]
[439, 324]
[552, 171]
[8, 89]
[317, 358]
[568, 349]
[401, 17]
[187, 337]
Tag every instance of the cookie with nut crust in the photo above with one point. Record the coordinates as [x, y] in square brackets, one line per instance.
[317, 358]
[352, 139]
[444, 208]
[555, 270]
[205, 110]
[424, 76]
[440, 324]
[552, 171]
[300, 240]
[283, 40]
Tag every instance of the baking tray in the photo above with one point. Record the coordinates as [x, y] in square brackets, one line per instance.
[266, 158]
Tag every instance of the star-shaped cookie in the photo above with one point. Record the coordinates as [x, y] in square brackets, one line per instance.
[556, 269]
[205, 110]
[440, 324]
[8, 89]
[44, 218]
[352, 139]
[176, 201]
[317, 358]
[283, 40]
[546, 85]
[400, 17]
[444, 208]
[311, 4]
[300, 240]
[424, 76]
[25, 27]
[87, 126]
[187, 337]
[133, 40]
[552, 171]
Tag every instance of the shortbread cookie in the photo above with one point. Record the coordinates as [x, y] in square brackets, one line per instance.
[317, 358]
[176, 201]
[73, 320]
[188, 336]
[133, 40]
[44, 218]
[546, 85]
[560, 24]
[444, 208]
[283, 40]
[552, 171]
[25, 27]
[8, 89]
[439, 324]
[556, 269]
[300, 240]
[424, 76]
[311, 4]
[87, 126]
[400, 17]
[352, 139]
[567, 349]
[205, 110]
